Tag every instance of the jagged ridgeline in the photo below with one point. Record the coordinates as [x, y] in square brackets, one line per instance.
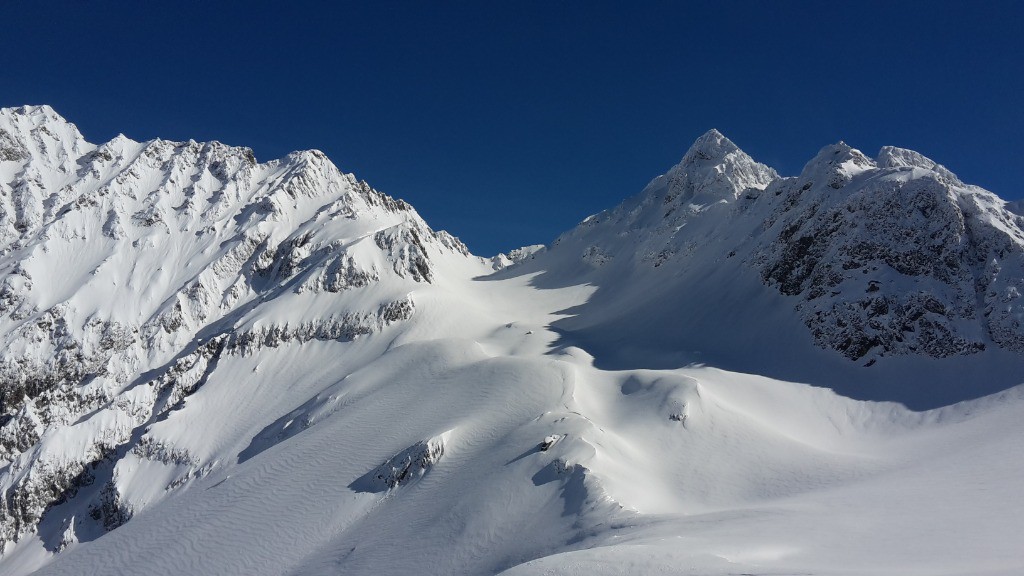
[129, 269]
[878, 258]
[134, 274]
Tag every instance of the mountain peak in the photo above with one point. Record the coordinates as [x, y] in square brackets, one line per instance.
[29, 110]
[185, 330]
[837, 164]
[710, 146]
[714, 168]
[37, 131]
[34, 116]
[894, 157]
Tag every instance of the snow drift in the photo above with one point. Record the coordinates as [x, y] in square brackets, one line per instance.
[217, 365]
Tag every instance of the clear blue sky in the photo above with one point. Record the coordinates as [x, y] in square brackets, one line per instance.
[507, 123]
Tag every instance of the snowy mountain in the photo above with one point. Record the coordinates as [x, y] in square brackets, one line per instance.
[130, 269]
[886, 262]
[216, 365]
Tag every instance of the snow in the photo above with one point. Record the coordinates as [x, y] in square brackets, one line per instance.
[299, 376]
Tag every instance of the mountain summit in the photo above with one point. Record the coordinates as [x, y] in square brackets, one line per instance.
[875, 259]
[217, 365]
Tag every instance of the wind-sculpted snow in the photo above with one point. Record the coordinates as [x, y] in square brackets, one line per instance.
[213, 365]
[121, 258]
[57, 467]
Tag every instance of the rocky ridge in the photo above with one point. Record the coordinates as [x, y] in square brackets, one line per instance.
[131, 272]
[891, 256]
[129, 269]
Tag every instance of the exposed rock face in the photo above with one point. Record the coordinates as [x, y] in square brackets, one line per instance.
[898, 259]
[130, 273]
[129, 270]
[347, 327]
[891, 256]
[110, 509]
[404, 467]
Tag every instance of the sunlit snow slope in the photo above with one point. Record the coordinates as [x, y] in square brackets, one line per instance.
[218, 366]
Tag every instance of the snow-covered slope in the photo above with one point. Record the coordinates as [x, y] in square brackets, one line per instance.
[888, 263]
[213, 365]
[131, 269]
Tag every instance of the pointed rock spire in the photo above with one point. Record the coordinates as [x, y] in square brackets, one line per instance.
[713, 169]
[711, 146]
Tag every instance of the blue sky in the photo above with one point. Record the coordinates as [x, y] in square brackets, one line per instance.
[507, 123]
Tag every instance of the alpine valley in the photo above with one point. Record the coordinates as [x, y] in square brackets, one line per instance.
[213, 365]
